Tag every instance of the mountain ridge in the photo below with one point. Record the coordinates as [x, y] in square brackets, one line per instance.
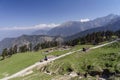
[114, 26]
[72, 27]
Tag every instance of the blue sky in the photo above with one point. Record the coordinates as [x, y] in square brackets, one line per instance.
[34, 12]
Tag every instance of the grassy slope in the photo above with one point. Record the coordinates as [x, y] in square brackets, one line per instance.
[22, 60]
[18, 62]
[77, 62]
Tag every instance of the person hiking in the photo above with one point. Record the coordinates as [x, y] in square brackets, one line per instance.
[45, 58]
[84, 49]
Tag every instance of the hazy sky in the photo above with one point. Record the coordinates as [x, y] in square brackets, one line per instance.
[33, 12]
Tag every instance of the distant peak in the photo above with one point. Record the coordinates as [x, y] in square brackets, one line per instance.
[112, 15]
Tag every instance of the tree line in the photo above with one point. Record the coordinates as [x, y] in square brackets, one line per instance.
[8, 52]
[94, 38]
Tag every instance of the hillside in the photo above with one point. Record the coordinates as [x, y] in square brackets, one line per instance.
[22, 60]
[74, 66]
[55, 52]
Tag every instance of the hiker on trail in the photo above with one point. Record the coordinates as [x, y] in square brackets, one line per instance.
[84, 49]
[45, 58]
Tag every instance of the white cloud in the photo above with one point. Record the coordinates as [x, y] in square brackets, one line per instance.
[84, 20]
[39, 26]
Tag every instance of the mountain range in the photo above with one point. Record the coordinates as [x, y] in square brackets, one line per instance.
[112, 26]
[73, 27]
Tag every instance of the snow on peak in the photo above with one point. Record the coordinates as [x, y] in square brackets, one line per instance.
[84, 20]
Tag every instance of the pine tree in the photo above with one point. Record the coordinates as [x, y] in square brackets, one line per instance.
[4, 53]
